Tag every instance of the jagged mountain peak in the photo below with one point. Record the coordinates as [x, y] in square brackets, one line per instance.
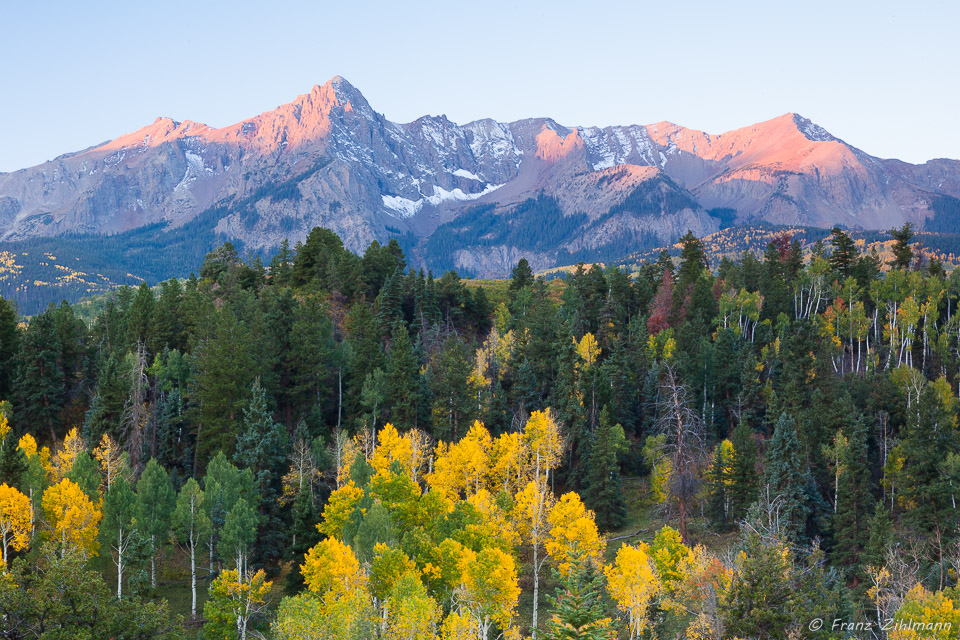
[812, 131]
[327, 158]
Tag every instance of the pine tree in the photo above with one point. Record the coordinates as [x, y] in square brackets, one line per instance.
[225, 371]
[786, 478]
[262, 448]
[845, 253]
[853, 501]
[39, 388]
[603, 490]
[403, 379]
[85, 472]
[719, 486]
[744, 479]
[577, 608]
[522, 276]
[902, 253]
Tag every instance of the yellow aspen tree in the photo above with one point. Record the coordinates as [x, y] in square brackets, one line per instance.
[458, 626]
[589, 350]
[16, 520]
[530, 512]
[28, 445]
[633, 584]
[391, 447]
[238, 597]
[110, 456]
[331, 566]
[337, 511]
[925, 615]
[572, 533]
[668, 551]
[411, 613]
[72, 446]
[489, 591]
[495, 527]
[461, 468]
[544, 442]
[508, 463]
[72, 517]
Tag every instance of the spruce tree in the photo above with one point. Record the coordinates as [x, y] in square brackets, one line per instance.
[853, 502]
[845, 253]
[603, 489]
[403, 379]
[578, 608]
[786, 478]
[744, 479]
[262, 448]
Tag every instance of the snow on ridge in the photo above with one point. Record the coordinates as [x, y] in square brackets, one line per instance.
[811, 131]
[196, 168]
[405, 207]
[463, 173]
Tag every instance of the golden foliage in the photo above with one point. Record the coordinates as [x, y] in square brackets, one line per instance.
[72, 517]
[16, 519]
[633, 584]
[572, 533]
[331, 566]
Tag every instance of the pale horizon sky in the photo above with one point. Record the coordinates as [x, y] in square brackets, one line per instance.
[881, 75]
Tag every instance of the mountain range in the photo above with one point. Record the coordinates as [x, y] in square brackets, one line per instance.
[474, 197]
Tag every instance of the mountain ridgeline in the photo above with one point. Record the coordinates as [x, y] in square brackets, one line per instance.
[474, 197]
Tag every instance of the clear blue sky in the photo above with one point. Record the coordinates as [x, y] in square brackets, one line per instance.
[881, 75]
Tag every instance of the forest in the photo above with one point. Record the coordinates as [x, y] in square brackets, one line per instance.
[337, 446]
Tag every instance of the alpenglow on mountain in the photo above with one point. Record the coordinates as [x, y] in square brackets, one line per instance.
[474, 197]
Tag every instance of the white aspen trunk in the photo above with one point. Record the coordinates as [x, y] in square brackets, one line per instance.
[536, 591]
[193, 577]
[120, 571]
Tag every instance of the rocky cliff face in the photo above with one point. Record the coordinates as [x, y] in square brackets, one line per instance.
[329, 159]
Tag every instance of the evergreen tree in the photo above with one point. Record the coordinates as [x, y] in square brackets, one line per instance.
[902, 253]
[845, 253]
[853, 502]
[225, 370]
[262, 448]
[85, 472]
[577, 608]
[744, 479]
[454, 400]
[403, 379]
[9, 345]
[521, 276]
[603, 490]
[786, 478]
[39, 388]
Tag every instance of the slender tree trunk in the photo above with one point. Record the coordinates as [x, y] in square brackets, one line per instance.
[536, 590]
[120, 570]
[193, 578]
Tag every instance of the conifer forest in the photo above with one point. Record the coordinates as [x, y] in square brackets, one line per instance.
[339, 446]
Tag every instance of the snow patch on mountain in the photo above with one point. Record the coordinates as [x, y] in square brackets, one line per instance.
[405, 207]
[811, 131]
[463, 173]
[196, 168]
